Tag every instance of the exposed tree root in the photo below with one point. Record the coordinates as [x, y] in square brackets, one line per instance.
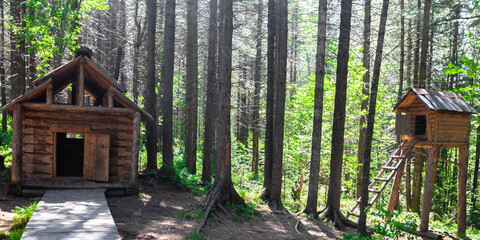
[338, 219]
[221, 192]
[296, 226]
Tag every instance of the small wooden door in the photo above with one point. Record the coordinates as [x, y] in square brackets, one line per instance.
[96, 155]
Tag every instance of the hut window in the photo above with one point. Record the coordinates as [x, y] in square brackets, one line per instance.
[420, 125]
[74, 135]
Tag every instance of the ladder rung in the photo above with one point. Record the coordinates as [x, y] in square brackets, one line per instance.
[397, 156]
[368, 204]
[374, 191]
[389, 168]
[382, 179]
[353, 214]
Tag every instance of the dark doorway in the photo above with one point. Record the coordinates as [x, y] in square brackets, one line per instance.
[420, 125]
[70, 154]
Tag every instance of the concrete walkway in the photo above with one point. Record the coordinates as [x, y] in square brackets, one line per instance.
[72, 214]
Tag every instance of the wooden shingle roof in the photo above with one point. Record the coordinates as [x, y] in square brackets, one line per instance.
[435, 101]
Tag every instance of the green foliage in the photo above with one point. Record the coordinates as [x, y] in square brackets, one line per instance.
[354, 236]
[24, 214]
[196, 235]
[246, 212]
[474, 217]
[398, 227]
[183, 178]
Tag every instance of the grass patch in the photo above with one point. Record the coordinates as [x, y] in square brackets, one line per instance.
[20, 221]
[196, 235]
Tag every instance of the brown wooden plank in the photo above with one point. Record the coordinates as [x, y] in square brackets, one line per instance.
[46, 169]
[37, 131]
[428, 189]
[133, 165]
[462, 190]
[96, 157]
[38, 139]
[78, 117]
[78, 109]
[49, 95]
[81, 82]
[71, 128]
[17, 144]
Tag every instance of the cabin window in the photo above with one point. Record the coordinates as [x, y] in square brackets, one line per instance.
[74, 135]
[420, 125]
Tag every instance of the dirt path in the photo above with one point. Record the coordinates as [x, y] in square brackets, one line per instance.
[163, 211]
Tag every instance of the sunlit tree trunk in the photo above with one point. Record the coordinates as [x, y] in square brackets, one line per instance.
[365, 92]
[362, 220]
[257, 86]
[150, 96]
[191, 93]
[210, 110]
[311, 208]
[167, 118]
[17, 43]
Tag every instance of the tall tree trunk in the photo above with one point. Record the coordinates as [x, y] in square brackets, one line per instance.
[338, 129]
[365, 93]
[424, 53]
[211, 95]
[280, 93]
[311, 208]
[362, 220]
[454, 57]
[256, 94]
[17, 43]
[402, 50]
[416, 54]
[150, 98]
[409, 54]
[408, 184]
[123, 40]
[419, 159]
[222, 190]
[475, 172]
[191, 94]
[167, 118]
[242, 112]
[2, 66]
[267, 181]
[136, 51]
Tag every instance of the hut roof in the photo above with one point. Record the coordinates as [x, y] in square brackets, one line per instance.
[97, 82]
[435, 101]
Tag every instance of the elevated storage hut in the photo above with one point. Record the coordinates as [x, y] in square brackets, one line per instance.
[433, 120]
[92, 136]
[433, 117]
[426, 120]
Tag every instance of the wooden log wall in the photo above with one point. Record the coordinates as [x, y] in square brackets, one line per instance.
[39, 128]
[452, 127]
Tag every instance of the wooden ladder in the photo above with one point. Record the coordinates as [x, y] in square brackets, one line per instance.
[385, 175]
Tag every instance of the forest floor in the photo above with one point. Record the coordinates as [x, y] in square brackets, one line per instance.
[163, 211]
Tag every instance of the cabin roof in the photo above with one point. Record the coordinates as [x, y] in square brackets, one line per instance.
[435, 101]
[97, 82]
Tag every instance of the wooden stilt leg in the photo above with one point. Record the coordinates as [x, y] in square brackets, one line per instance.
[396, 186]
[462, 190]
[428, 189]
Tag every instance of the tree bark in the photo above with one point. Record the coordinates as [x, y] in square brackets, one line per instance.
[409, 54]
[311, 208]
[168, 53]
[256, 94]
[280, 68]
[402, 50]
[365, 93]
[267, 181]
[210, 110]
[416, 54]
[338, 129]
[423, 55]
[2, 66]
[362, 220]
[191, 94]
[475, 172]
[417, 182]
[150, 97]
[222, 190]
[136, 51]
[17, 43]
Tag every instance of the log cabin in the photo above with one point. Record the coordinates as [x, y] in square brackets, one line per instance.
[75, 128]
